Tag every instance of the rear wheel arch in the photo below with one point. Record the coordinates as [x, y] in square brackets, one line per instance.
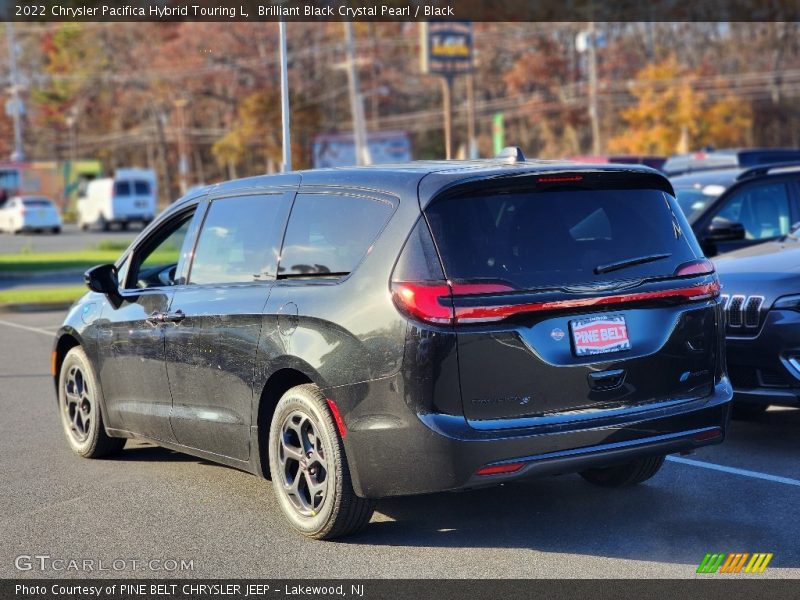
[278, 383]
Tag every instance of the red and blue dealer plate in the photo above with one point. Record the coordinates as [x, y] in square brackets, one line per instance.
[599, 335]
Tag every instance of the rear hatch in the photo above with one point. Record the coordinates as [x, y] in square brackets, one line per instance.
[133, 199]
[574, 295]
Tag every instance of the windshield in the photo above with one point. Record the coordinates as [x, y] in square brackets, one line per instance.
[554, 239]
[693, 200]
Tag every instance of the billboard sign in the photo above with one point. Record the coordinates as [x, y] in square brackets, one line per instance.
[447, 47]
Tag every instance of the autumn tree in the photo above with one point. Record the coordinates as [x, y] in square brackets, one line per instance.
[670, 115]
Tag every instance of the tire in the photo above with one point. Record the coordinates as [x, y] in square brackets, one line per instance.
[744, 411]
[79, 401]
[124, 226]
[333, 510]
[624, 475]
[55, 230]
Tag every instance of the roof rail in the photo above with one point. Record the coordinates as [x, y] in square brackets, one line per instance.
[789, 166]
[511, 154]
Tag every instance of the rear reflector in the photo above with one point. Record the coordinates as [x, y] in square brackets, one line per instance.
[337, 417]
[498, 469]
[707, 435]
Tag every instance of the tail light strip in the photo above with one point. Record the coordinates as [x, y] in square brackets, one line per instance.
[433, 302]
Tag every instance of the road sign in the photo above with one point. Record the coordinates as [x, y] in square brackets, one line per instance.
[446, 47]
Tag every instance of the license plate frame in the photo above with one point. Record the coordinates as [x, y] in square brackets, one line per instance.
[606, 334]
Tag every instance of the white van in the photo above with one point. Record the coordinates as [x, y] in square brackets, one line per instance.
[129, 196]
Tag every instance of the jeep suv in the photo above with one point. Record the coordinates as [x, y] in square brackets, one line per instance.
[369, 332]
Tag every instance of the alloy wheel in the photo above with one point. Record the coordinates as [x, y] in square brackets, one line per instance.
[303, 463]
[78, 404]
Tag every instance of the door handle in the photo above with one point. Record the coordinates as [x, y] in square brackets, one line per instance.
[156, 317]
[175, 317]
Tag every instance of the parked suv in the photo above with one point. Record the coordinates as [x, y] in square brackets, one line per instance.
[762, 299]
[369, 332]
[734, 208]
[705, 160]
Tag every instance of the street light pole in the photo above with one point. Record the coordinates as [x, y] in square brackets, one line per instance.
[183, 158]
[16, 108]
[356, 101]
[287, 142]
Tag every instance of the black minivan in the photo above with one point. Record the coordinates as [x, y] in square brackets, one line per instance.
[369, 332]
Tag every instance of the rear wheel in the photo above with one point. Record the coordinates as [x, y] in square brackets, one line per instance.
[309, 468]
[744, 411]
[79, 399]
[56, 230]
[624, 475]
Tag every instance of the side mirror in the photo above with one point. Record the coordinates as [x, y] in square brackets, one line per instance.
[103, 280]
[722, 230]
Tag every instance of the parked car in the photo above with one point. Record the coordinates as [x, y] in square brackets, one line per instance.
[729, 158]
[29, 213]
[128, 197]
[655, 161]
[735, 208]
[369, 332]
[761, 288]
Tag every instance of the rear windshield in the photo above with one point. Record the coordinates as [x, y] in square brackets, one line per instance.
[37, 203]
[560, 238]
[142, 188]
[122, 188]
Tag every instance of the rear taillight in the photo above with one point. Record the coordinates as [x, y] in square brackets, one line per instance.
[695, 267]
[429, 302]
[433, 302]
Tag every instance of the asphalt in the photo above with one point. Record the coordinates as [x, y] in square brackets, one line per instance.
[150, 503]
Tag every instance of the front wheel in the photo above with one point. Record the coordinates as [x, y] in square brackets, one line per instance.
[79, 398]
[626, 474]
[309, 468]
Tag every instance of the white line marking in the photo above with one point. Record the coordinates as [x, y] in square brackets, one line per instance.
[27, 328]
[735, 471]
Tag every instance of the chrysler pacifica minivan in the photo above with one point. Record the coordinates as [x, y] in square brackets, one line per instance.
[359, 333]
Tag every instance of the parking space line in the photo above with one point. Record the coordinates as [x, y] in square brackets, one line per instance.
[734, 470]
[27, 328]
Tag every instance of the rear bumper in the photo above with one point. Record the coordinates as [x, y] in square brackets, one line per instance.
[392, 456]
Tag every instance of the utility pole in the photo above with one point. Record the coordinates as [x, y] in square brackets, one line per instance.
[356, 100]
[16, 101]
[472, 146]
[287, 140]
[594, 117]
[183, 158]
[447, 92]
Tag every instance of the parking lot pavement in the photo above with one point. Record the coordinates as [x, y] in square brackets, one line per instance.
[70, 239]
[150, 503]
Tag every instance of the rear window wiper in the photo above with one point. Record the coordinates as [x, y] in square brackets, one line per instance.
[629, 262]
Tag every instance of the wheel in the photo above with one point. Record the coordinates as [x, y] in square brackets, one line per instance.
[103, 223]
[744, 411]
[624, 475]
[56, 230]
[84, 226]
[123, 226]
[79, 397]
[309, 468]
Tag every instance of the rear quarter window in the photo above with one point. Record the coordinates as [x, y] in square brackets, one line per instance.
[551, 239]
[329, 234]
